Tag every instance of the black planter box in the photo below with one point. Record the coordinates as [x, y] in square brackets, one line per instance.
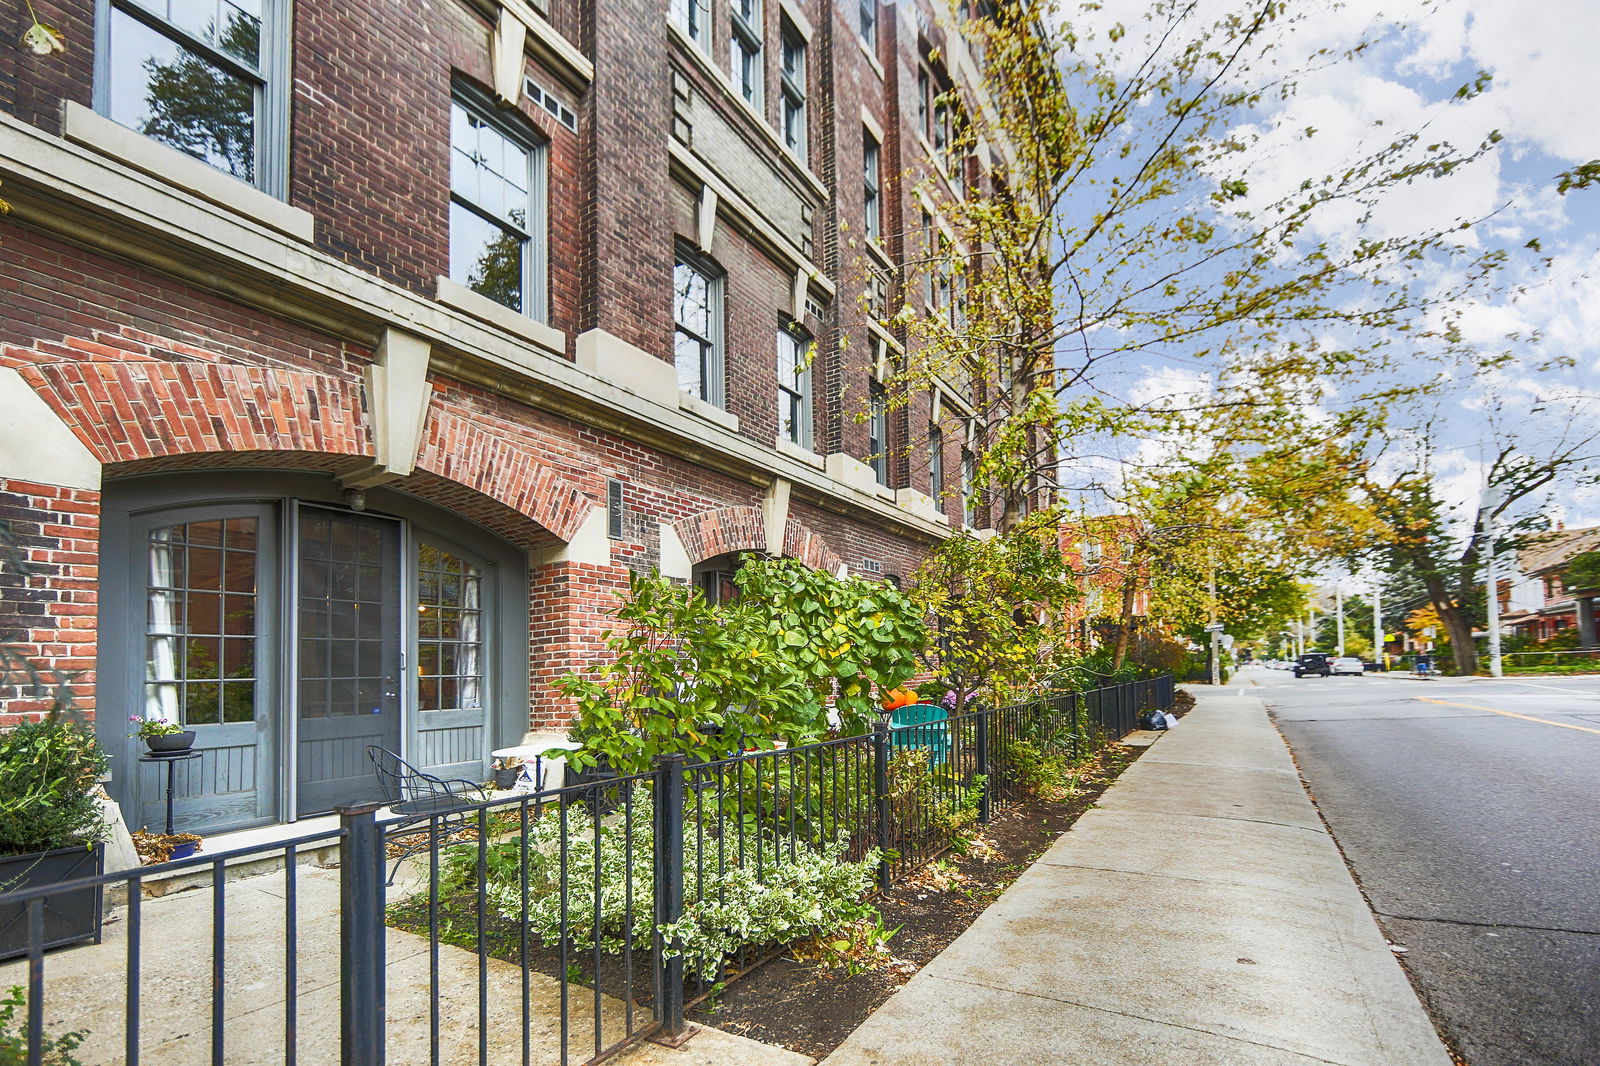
[69, 917]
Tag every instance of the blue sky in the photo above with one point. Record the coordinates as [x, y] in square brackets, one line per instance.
[1544, 57]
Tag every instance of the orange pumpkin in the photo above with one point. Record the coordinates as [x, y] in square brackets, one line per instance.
[898, 697]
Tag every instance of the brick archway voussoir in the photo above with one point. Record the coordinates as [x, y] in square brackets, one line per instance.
[505, 470]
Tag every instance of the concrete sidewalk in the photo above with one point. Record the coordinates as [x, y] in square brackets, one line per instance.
[1200, 915]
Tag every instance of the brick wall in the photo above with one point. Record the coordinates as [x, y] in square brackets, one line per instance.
[48, 596]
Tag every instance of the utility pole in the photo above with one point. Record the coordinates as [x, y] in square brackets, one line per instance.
[1214, 630]
[1491, 500]
[1379, 655]
[1338, 610]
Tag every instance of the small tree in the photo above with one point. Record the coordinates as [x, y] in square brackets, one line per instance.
[999, 604]
[704, 680]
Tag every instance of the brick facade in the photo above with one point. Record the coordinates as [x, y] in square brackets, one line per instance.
[140, 348]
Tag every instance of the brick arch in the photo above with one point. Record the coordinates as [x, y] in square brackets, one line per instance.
[129, 413]
[722, 530]
[144, 415]
[734, 529]
[504, 469]
[807, 545]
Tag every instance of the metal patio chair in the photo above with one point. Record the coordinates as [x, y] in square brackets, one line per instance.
[921, 725]
[445, 804]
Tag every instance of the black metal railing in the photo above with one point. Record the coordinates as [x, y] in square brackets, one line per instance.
[523, 927]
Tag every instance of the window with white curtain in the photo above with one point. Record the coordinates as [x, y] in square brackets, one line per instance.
[449, 631]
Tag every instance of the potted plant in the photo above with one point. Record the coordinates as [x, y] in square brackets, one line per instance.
[51, 829]
[160, 735]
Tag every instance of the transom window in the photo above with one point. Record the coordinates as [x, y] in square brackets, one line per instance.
[697, 315]
[199, 75]
[745, 54]
[794, 385]
[496, 207]
[200, 653]
[793, 86]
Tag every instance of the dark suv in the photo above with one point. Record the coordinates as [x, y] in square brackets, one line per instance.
[1312, 663]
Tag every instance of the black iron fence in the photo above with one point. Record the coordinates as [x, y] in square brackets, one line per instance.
[528, 927]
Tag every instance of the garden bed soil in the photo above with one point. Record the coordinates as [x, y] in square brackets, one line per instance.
[812, 1010]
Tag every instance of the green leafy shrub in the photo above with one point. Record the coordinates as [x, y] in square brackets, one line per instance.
[783, 897]
[48, 771]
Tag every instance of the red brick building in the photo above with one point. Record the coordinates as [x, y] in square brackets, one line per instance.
[352, 354]
[1101, 553]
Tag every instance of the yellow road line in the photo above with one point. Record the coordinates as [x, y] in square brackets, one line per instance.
[1512, 714]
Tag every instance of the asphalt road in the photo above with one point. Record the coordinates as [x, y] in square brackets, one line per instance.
[1470, 813]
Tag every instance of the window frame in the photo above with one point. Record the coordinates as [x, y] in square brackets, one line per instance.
[271, 80]
[792, 89]
[693, 17]
[872, 184]
[536, 233]
[747, 46]
[796, 399]
[713, 363]
[878, 431]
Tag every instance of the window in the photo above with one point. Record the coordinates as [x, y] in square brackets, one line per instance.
[794, 385]
[878, 431]
[936, 464]
[969, 503]
[930, 250]
[925, 95]
[694, 17]
[202, 76]
[871, 198]
[746, 51]
[792, 83]
[697, 312]
[878, 296]
[715, 578]
[450, 669]
[200, 665]
[868, 24]
[496, 207]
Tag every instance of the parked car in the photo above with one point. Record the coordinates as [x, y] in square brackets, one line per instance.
[1346, 664]
[1314, 662]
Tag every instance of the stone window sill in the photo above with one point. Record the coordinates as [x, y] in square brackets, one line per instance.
[83, 126]
[458, 296]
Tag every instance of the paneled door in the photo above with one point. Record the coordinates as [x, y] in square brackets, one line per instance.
[349, 631]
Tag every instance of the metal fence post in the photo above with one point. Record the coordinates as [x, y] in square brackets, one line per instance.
[880, 797]
[983, 764]
[669, 889]
[362, 1018]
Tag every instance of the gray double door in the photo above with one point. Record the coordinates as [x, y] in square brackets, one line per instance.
[292, 638]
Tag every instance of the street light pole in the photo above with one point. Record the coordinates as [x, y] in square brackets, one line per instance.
[1338, 608]
[1491, 499]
